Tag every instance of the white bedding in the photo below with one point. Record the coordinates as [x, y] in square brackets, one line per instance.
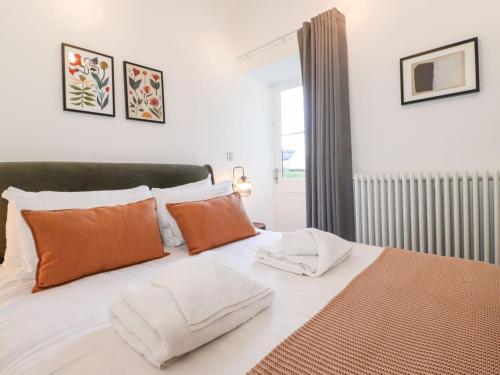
[66, 329]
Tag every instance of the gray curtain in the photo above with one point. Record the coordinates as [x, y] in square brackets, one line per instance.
[323, 56]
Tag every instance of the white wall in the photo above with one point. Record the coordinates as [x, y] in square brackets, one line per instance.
[211, 107]
[453, 133]
[215, 105]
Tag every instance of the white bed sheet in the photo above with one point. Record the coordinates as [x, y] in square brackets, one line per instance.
[66, 329]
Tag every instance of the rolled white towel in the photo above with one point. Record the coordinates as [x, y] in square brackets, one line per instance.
[331, 250]
[187, 305]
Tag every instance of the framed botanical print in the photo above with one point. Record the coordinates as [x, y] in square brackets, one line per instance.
[144, 95]
[441, 72]
[88, 81]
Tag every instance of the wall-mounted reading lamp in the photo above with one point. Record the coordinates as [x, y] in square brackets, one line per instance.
[243, 184]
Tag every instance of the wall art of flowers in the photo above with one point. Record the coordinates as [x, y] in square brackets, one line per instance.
[144, 96]
[88, 81]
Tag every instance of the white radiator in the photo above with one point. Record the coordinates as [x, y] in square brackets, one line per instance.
[452, 214]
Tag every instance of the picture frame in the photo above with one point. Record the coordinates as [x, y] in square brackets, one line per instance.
[442, 72]
[88, 81]
[144, 93]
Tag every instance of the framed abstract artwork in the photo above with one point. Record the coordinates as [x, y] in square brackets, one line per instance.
[144, 97]
[441, 72]
[88, 81]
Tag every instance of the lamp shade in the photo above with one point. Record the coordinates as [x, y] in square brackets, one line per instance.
[243, 186]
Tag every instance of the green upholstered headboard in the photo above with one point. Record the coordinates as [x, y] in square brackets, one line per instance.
[77, 176]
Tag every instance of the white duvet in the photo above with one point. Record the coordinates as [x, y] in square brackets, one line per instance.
[66, 330]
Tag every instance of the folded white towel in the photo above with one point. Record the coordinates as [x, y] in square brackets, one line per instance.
[206, 289]
[300, 242]
[331, 250]
[181, 309]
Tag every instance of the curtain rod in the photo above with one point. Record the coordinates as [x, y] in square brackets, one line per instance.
[276, 41]
[265, 46]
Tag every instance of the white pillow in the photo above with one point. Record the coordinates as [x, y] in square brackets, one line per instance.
[195, 185]
[170, 232]
[12, 256]
[52, 200]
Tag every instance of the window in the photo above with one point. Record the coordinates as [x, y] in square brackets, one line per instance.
[292, 133]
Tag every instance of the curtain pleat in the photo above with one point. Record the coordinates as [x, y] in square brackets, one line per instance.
[323, 56]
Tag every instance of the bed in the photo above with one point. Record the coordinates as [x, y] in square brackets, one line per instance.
[66, 330]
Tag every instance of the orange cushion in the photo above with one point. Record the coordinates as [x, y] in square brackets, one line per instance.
[212, 223]
[79, 242]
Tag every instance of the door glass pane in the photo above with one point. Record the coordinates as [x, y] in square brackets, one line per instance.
[293, 155]
[292, 111]
[292, 133]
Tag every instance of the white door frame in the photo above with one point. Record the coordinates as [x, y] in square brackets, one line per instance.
[287, 186]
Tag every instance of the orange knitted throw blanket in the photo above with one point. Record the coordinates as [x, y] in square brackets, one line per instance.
[407, 313]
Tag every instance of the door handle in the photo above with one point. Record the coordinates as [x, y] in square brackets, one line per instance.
[276, 175]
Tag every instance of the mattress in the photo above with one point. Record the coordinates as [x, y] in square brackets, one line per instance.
[66, 329]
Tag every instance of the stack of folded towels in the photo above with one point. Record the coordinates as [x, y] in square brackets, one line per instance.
[188, 304]
[308, 251]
